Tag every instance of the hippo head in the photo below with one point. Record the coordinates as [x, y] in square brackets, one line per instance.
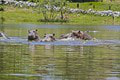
[49, 37]
[33, 35]
[76, 34]
[81, 35]
[85, 36]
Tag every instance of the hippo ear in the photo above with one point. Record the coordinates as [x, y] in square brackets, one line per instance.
[53, 34]
[36, 30]
[79, 31]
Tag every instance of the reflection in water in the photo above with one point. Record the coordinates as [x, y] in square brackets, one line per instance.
[48, 62]
[32, 48]
[33, 62]
[49, 47]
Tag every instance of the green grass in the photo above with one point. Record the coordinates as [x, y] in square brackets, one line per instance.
[94, 20]
[98, 5]
[18, 15]
[22, 15]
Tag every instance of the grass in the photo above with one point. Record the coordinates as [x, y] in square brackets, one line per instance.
[97, 5]
[20, 15]
[94, 20]
[24, 15]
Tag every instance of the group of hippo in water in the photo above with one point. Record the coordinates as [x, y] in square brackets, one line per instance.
[33, 36]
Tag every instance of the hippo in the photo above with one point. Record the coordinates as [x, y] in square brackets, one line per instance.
[49, 38]
[85, 36]
[81, 35]
[72, 35]
[76, 35]
[33, 35]
[3, 36]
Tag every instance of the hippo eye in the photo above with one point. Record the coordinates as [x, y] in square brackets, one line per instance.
[44, 36]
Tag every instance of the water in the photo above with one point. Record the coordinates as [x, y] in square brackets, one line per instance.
[61, 60]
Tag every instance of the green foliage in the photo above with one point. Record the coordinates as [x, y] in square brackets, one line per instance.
[53, 20]
[49, 14]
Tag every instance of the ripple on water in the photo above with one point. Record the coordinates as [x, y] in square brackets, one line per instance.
[62, 42]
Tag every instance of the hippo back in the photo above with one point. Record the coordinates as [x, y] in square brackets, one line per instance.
[86, 36]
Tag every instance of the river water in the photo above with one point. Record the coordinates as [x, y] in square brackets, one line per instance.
[67, 60]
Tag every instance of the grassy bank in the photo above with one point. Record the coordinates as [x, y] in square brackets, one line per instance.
[24, 15]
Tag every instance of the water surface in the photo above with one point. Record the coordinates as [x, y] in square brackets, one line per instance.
[20, 60]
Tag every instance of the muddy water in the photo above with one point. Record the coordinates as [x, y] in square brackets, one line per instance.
[19, 61]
